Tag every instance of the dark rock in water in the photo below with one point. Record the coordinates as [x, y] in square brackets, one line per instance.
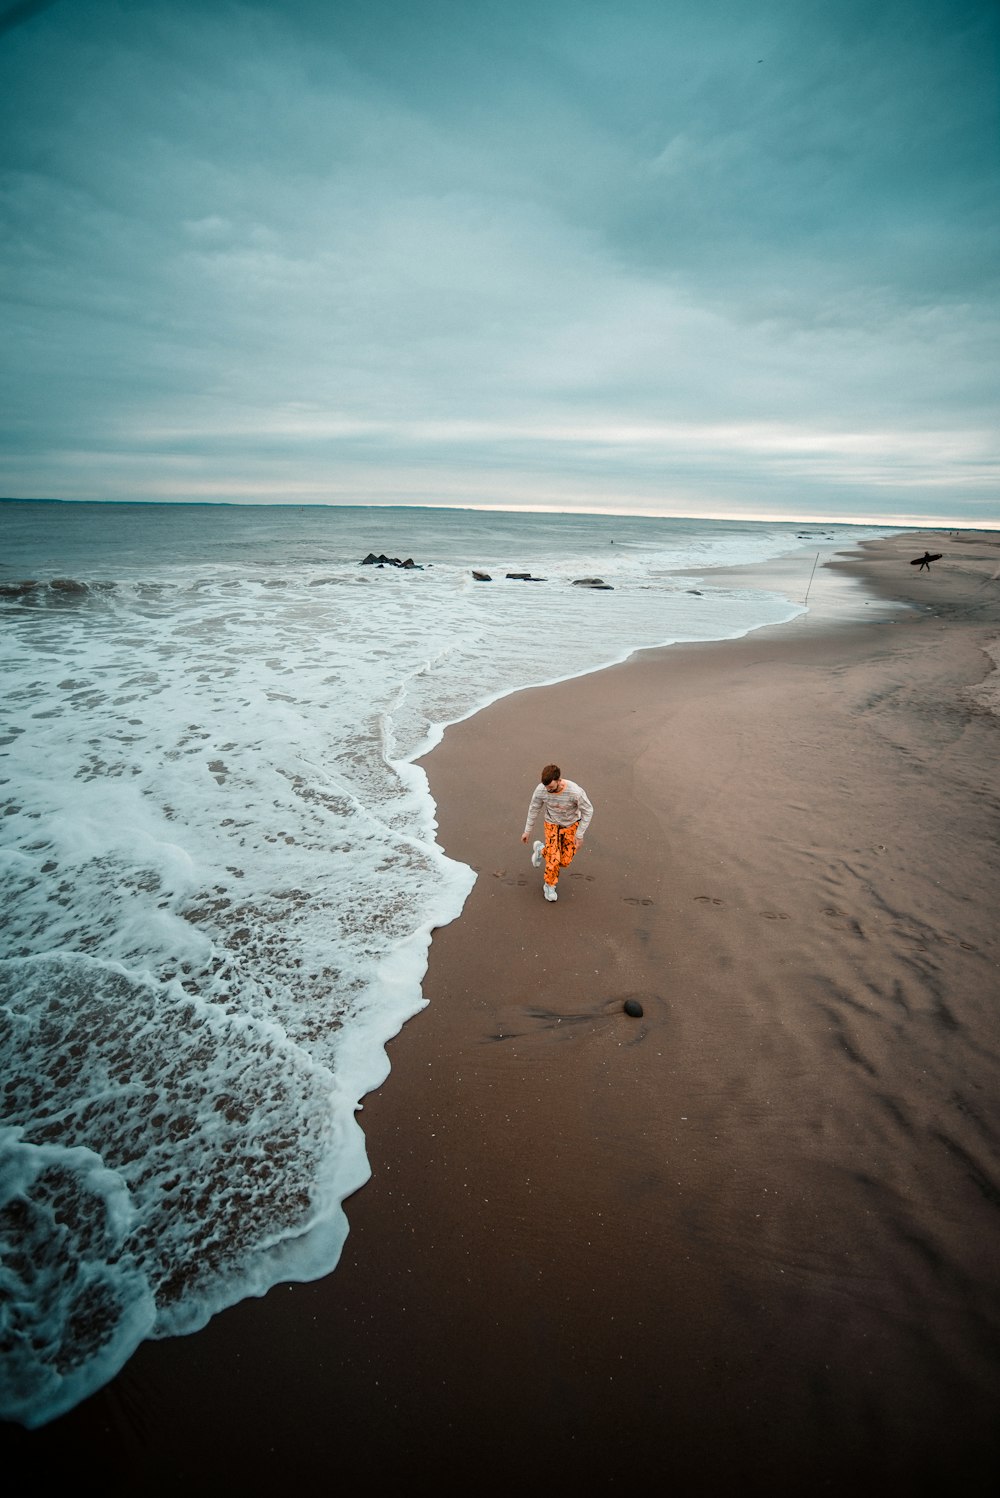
[593, 582]
[481, 577]
[58, 590]
[371, 560]
[525, 577]
[695, 591]
[633, 1008]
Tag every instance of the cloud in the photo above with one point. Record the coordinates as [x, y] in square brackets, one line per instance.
[717, 252]
[16, 15]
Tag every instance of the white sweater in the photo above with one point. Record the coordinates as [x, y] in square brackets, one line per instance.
[562, 807]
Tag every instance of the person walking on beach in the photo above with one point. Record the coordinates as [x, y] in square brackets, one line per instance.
[567, 816]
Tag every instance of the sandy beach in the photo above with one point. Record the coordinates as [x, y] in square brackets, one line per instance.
[748, 1242]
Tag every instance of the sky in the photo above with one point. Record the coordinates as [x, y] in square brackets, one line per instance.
[732, 258]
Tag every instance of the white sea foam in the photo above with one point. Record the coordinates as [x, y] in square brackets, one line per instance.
[220, 876]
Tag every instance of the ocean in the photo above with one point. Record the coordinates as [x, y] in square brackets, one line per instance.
[219, 866]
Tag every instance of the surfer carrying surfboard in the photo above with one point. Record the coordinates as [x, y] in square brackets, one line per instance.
[568, 811]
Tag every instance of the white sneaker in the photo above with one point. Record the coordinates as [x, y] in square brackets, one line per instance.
[550, 892]
[536, 855]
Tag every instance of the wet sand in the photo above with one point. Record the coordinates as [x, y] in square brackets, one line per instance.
[747, 1242]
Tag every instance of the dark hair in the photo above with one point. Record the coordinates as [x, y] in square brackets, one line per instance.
[550, 773]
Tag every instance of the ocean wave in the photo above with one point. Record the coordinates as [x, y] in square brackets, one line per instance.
[53, 590]
[144, 1184]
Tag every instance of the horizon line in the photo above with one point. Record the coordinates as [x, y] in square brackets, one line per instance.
[908, 522]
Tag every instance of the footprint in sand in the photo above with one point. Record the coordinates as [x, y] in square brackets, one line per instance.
[843, 921]
[775, 915]
[635, 900]
[953, 941]
[709, 899]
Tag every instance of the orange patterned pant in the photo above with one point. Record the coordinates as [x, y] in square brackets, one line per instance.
[560, 846]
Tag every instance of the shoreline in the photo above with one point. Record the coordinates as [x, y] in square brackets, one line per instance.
[721, 1245]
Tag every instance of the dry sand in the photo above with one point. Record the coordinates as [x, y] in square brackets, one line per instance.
[748, 1242]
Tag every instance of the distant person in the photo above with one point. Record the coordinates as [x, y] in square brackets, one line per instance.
[567, 816]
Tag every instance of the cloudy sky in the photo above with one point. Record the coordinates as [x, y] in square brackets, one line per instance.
[722, 257]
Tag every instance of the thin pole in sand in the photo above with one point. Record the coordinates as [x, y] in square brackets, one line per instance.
[811, 576]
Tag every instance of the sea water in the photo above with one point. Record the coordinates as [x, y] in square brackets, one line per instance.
[219, 869]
